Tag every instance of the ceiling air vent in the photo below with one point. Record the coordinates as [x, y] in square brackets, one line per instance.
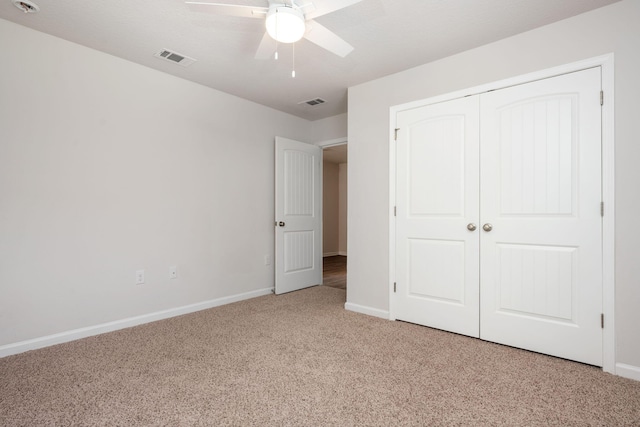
[316, 101]
[26, 6]
[175, 57]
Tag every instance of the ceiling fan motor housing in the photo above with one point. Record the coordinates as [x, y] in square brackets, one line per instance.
[285, 23]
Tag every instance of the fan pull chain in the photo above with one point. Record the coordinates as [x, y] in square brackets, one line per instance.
[293, 60]
[277, 26]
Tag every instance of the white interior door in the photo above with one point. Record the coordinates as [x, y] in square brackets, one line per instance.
[437, 256]
[541, 264]
[298, 215]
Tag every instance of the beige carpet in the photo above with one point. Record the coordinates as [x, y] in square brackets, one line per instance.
[301, 360]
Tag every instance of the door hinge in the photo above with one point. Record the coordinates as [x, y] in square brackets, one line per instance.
[601, 97]
[395, 138]
[394, 211]
[601, 208]
[602, 320]
[394, 286]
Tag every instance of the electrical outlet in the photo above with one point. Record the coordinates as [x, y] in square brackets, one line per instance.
[267, 260]
[173, 272]
[139, 277]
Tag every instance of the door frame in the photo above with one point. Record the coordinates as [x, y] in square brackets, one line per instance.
[332, 142]
[606, 62]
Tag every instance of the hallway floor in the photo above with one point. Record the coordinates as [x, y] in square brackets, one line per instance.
[334, 271]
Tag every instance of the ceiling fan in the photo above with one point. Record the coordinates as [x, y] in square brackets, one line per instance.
[286, 21]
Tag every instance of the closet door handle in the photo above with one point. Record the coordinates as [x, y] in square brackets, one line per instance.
[487, 227]
[471, 227]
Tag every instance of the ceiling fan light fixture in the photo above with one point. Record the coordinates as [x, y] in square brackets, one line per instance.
[285, 24]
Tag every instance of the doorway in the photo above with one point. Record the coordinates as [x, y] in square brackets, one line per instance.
[334, 215]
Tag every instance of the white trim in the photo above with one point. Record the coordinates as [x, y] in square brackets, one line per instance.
[75, 334]
[392, 204]
[628, 371]
[512, 81]
[339, 253]
[608, 221]
[370, 311]
[326, 254]
[608, 181]
[332, 142]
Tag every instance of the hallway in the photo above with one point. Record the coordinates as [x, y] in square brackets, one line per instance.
[334, 271]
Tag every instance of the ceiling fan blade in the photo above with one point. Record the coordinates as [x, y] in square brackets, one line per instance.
[267, 47]
[327, 6]
[326, 39]
[228, 9]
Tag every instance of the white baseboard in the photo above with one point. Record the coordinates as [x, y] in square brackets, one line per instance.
[75, 334]
[366, 310]
[628, 371]
[326, 254]
[342, 253]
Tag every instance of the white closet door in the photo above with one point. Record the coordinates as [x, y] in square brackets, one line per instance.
[541, 264]
[437, 198]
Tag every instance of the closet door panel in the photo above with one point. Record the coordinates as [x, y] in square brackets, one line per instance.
[437, 197]
[541, 262]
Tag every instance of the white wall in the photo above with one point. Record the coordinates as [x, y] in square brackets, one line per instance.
[610, 29]
[329, 129]
[342, 208]
[330, 204]
[107, 167]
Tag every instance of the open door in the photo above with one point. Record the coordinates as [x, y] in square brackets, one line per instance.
[298, 215]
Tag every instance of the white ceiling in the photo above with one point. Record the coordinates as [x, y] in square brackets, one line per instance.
[388, 36]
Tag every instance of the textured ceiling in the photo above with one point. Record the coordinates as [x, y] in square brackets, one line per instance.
[388, 36]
